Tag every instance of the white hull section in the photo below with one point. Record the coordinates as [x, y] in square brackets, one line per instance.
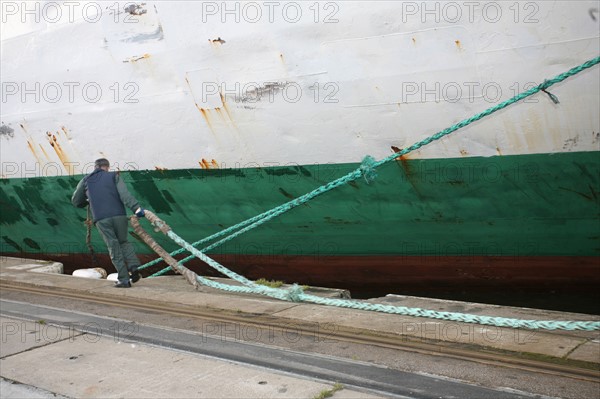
[206, 84]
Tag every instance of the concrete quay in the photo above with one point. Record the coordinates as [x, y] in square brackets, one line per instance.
[136, 366]
[88, 366]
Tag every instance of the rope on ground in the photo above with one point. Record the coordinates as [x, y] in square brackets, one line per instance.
[368, 166]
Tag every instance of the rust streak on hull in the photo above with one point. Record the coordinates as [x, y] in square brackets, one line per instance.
[44, 152]
[33, 151]
[206, 116]
[68, 165]
[227, 110]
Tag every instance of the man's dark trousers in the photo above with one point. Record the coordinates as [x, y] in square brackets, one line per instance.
[122, 254]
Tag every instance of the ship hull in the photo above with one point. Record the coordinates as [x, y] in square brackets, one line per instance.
[510, 220]
[213, 120]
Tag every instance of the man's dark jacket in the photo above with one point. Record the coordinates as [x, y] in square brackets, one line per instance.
[106, 193]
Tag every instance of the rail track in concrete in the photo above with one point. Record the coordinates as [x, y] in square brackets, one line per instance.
[262, 322]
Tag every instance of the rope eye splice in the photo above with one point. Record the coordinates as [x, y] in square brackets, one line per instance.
[544, 86]
[367, 169]
[295, 293]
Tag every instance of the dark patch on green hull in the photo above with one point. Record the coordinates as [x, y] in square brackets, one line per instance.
[146, 188]
[31, 244]
[12, 244]
[11, 211]
[528, 205]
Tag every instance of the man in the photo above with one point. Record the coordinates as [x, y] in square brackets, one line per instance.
[107, 195]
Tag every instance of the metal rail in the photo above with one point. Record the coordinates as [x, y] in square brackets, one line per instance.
[345, 334]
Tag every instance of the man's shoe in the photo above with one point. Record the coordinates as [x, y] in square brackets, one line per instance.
[123, 285]
[135, 276]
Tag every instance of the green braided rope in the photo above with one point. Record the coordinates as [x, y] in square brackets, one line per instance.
[368, 166]
[489, 111]
[454, 316]
[160, 272]
[229, 273]
[256, 289]
[249, 287]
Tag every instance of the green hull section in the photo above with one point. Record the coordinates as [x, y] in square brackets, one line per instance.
[528, 205]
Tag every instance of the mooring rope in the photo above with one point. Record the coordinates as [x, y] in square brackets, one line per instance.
[367, 170]
[296, 293]
[88, 236]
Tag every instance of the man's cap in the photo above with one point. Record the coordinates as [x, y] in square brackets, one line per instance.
[101, 162]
